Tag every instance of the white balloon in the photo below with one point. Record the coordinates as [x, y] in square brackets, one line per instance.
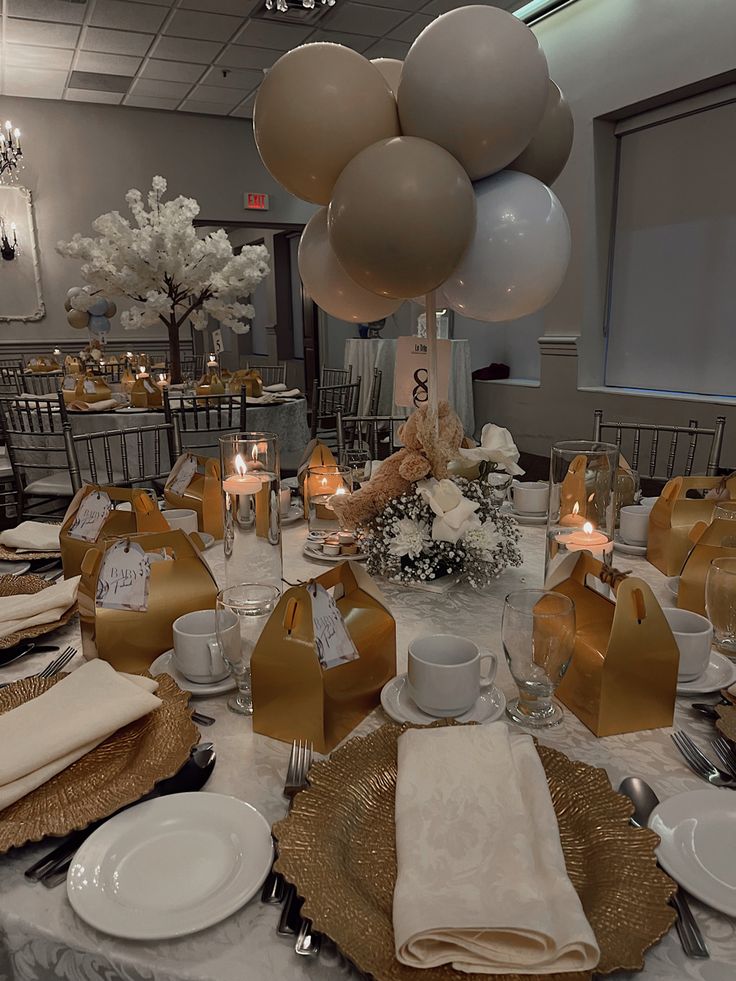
[519, 254]
[390, 68]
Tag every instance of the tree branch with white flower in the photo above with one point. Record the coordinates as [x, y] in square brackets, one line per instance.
[158, 260]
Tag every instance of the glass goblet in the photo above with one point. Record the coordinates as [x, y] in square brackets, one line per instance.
[720, 603]
[538, 630]
[242, 613]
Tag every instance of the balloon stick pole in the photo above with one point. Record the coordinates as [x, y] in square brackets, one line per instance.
[431, 311]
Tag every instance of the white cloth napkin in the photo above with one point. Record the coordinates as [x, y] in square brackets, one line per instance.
[278, 387]
[481, 881]
[33, 609]
[35, 536]
[54, 730]
[102, 406]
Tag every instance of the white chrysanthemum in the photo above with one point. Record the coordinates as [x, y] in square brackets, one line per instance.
[486, 539]
[410, 538]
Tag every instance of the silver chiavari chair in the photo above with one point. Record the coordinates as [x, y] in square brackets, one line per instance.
[41, 383]
[336, 376]
[202, 419]
[364, 438]
[11, 378]
[374, 398]
[327, 401]
[271, 374]
[34, 438]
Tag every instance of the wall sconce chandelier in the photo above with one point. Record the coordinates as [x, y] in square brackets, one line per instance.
[8, 250]
[11, 151]
[282, 6]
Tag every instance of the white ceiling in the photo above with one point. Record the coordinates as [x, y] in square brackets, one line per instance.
[204, 56]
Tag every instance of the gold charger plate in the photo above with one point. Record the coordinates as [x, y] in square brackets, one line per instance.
[117, 772]
[8, 554]
[726, 722]
[338, 847]
[20, 586]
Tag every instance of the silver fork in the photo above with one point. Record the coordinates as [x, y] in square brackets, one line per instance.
[700, 764]
[300, 759]
[51, 669]
[726, 753]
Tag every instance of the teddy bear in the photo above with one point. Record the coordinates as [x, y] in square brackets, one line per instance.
[423, 454]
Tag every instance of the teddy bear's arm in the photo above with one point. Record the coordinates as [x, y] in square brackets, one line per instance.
[414, 466]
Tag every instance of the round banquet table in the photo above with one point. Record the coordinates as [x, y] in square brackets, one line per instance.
[42, 939]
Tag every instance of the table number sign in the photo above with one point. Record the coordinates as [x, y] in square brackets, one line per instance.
[182, 475]
[90, 517]
[411, 375]
[124, 578]
[331, 639]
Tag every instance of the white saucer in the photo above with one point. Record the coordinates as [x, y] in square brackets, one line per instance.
[171, 866]
[398, 705]
[720, 673]
[527, 518]
[296, 512]
[319, 555]
[621, 546]
[164, 664]
[8, 568]
[696, 848]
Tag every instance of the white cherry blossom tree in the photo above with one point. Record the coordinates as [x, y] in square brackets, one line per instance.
[172, 274]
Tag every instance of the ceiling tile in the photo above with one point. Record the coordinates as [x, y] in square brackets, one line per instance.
[359, 18]
[437, 7]
[157, 87]
[116, 42]
[127, 16]
[39, 32]
[239, 8]
[79, 95]
[99, 82]
[206, 108]
[94, 61]
[213, 93]
[32, 56]
[243, 81]
[57, 11]
[407, 5]
[387, 49]
[38, 83]
[151, 102]
[279, 37]
[209, 27]
[410, 29]
[186, 49]
[160, 3]
[240, 56]
[245, 109]
[358, 42]
[171, 71]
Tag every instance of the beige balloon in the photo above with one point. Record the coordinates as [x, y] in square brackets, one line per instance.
[67, 304]
[317, 107]
[548, 152]
[78, 319]
[111, 309]
[390, 68]
[475, 81]
[401, 216]
[329, 285]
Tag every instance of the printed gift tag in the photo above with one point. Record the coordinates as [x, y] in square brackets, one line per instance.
[411, 375]
[148, 386]
[89, 386]
[91, 516]
[182, 475]
[331, 638]
[124, 578]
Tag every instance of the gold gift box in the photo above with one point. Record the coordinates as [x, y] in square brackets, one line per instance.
[145, 393]
[250, 379]
[673, 517]
[203, 494]
[714, 541]
[293, 696]
[623, 673]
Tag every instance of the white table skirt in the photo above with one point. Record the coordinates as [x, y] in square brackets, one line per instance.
[365, 354]
[41, 939]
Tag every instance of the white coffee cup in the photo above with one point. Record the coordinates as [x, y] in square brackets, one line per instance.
[183, 518]
[634, 524]
[694, 637]
[197, 654]
[531, 496]
[285, 501]
[648, 502]
[444, 676]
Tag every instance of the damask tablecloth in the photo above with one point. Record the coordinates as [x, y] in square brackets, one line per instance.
[41, 939]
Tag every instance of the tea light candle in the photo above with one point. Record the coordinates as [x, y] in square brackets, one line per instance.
[574, 519]
[594, 541]
[57, 351]
[242, 481]
[162, 382]
[212, 363]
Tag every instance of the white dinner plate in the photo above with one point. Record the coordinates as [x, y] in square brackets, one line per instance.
[8, 568]
[398, 704]
[720, 673]
[319, 556]
[170, 866]
[619, 545]
[164, 664]
[697, 832]
[296, 513]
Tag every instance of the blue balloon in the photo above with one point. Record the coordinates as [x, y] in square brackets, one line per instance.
[99, 325]
[98, 309]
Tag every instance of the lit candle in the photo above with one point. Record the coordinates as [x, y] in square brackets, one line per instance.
[57, 351]
[162, 382]
[212, 363]
[586, 539]
[243, 481]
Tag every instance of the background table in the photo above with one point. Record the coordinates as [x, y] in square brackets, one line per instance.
[365, 354]
[41, 939]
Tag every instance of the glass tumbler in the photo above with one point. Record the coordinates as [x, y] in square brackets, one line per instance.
[538, 630]
[241, 614]
[720, 603]
[323, 484]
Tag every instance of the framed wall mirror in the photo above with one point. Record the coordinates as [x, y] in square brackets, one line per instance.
[20, 273]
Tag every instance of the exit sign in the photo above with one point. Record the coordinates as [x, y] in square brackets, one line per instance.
[256, 202]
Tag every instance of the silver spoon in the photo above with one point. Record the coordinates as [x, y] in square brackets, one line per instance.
[645, 800]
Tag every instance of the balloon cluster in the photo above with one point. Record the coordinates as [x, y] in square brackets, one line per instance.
[432, 174]
[87, 312]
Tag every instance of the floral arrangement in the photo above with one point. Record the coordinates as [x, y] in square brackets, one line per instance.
[451, 527]
[171, 273]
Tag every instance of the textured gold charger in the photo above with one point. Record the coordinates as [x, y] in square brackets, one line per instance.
[726, 722]
[117, 772]
[338, 847]
[12, 555]
[20, 586]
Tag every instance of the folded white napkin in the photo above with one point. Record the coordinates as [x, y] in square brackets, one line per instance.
[481, 881]
[102, 406]
[32, 536]
[279, 387]
[33, 609]
[54, 730]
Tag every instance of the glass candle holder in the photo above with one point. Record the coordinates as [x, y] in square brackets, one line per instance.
[720, 603]
[324, 483]
[251, 516]
[582, 497]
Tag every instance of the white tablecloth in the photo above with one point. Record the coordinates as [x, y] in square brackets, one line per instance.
[41, 939]
[365, 354]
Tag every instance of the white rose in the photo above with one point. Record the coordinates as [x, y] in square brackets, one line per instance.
[496, 446]
[441, 495]
[455, 514]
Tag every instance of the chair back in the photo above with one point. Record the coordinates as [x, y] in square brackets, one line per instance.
[202, 419]
[364, 438]
[41, 383]
[375, 394]
[271, 374]
[11, 378]
[327, 401]
[681, 449]
[34, 437]
[336, 376]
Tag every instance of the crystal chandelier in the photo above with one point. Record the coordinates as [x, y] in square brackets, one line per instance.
[10, 151]
[282, 6]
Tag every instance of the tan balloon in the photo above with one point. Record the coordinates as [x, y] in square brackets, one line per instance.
[401, 216]
[548, 152]
[67, 304]
[78, 319]
[329, 285]
[111, 309]
[390, 68]
[317, 107]
[475, 81]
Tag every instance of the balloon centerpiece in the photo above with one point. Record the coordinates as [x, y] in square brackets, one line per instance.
[90, 311]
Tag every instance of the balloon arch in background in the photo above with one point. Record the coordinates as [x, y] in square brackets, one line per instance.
[432, 174]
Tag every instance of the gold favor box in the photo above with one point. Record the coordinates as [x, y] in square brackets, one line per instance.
[203, 494]
[247, 378]
[714, 541]
[623, 673]
[673, 517]
[145, 393]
